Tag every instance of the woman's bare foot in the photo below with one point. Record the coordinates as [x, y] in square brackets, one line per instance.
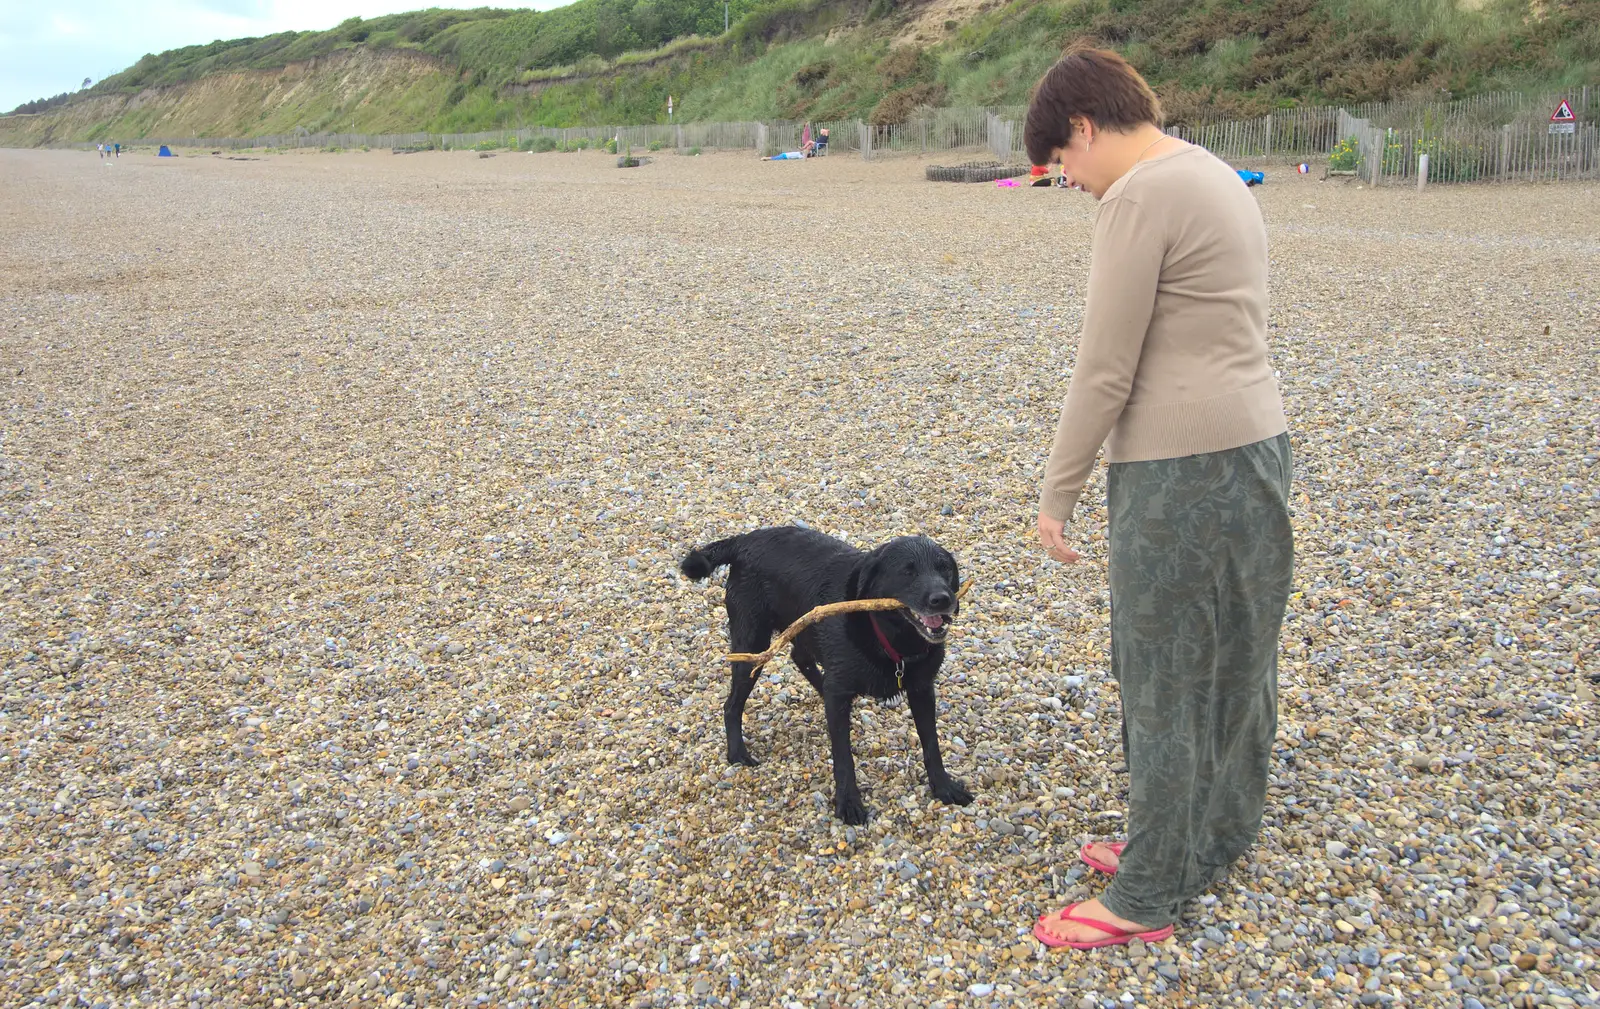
[1102, 852]
[1071, 931]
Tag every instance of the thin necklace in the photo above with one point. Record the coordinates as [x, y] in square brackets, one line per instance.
[1151, 144]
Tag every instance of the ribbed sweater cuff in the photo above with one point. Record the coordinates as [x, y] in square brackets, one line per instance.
[1058, 504]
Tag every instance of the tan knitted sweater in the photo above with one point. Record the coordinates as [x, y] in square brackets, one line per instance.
[1173, 356]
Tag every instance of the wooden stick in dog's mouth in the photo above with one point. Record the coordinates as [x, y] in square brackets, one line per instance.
[819, 613]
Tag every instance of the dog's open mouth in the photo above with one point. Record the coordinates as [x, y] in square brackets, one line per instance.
[932, 626]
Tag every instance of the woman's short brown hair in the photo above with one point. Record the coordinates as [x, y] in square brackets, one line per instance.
[1094, 83]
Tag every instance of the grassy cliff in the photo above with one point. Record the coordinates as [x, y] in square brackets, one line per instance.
[615, 61]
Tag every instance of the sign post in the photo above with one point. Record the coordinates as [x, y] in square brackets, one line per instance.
[1562, 120]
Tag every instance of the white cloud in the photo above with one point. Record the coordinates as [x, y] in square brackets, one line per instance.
[48, 48]
[65, 26]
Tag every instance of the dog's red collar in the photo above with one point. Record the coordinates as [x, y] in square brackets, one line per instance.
[883, 639]
[894, 656]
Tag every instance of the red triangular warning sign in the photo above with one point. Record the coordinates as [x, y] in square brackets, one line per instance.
[1563, 113]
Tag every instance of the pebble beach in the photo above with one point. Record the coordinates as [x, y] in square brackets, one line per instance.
[345, 660]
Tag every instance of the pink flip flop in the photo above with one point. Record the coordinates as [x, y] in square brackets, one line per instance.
[1097, 865]
[1114, 936]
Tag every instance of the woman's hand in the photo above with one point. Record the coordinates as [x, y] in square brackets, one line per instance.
[1050, 531]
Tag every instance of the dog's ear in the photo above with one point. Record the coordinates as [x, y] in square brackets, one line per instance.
[955, 583]
[861, 576]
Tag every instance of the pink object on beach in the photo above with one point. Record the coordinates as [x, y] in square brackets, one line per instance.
[1008, 183]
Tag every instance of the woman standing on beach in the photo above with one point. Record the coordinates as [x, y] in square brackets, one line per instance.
[1172, 377]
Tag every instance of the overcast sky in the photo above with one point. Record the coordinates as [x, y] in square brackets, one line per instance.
[50, 46]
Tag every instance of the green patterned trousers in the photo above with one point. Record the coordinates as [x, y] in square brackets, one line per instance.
[1201, 559]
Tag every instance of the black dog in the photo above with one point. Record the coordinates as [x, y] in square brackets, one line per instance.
[776, 576]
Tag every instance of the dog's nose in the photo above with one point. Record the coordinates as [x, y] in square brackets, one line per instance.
[940, 601]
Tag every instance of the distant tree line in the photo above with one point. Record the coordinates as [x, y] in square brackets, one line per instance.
[41, 104]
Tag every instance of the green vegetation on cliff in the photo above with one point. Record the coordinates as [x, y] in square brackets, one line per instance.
[616, 61]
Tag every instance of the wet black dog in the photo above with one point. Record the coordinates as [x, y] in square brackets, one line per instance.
[776, 576]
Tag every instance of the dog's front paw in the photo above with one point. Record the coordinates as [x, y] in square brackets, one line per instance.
[953, 791]
[851, 810]
[742, 756]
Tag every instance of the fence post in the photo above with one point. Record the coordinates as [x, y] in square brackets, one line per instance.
[1422, 172]
[864, 140]
[1269, 135]
[1505, 151]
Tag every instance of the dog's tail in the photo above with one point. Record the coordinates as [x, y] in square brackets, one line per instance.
[701, 561]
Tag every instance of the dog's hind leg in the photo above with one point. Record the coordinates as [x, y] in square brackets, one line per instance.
[747, 632]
